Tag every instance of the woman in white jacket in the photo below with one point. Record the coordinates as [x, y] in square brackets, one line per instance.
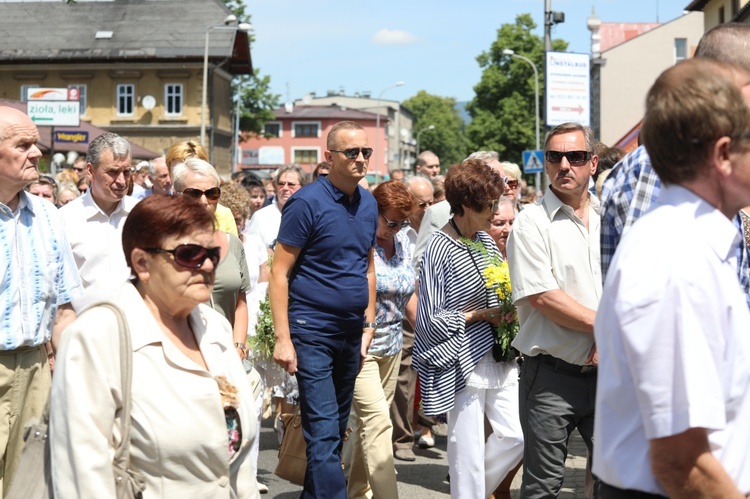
[193, 417]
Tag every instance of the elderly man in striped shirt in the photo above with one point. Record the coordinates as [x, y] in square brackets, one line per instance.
[38, 280]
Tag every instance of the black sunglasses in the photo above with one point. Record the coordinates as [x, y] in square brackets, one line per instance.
[393, 225]
[575, 158]
[211, 194]
[353, 153]
[191, 256]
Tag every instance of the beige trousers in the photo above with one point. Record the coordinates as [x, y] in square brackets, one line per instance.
[24, 388]
[372, 473]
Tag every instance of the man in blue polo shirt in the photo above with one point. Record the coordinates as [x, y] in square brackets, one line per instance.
[322, 289]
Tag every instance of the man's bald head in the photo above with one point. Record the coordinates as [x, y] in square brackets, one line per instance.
[428, 164]
[422, 190]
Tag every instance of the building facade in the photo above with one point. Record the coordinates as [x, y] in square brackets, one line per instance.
[717, 12]
[626, 60]
[397, 122]
[298, 135]
[137, 67]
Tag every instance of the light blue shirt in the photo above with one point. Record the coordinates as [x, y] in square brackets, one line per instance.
[37, 272]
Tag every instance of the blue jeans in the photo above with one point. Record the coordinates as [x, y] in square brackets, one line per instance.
[327, 366]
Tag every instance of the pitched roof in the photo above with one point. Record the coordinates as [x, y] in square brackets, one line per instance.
[149, 30]
[742, 14]
[613, 34]
[324, 112]
[696, 5]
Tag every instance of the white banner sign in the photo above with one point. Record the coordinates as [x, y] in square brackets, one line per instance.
[568, 88]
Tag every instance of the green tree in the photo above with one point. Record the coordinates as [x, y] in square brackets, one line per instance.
[447, 140]
[257, 102]
[502, 110]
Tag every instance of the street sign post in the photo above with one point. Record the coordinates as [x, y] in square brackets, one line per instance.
[54, 113]
[54, 107]
[568, 88]
[533, 162]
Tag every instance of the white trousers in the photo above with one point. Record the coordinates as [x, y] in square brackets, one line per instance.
[477, 466]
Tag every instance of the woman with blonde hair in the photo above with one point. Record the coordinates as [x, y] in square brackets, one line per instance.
[198, 180]
[181, 151]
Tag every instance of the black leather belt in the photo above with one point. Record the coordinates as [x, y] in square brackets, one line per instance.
[565, 367]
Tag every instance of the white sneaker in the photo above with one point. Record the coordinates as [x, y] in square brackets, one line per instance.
[262, 488]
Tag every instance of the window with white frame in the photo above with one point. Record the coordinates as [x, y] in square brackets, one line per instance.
[125, 99]
[306, 129]
[82, 93]
[306, 156]
[273, 129]
[173, 99]
[25, 91]
[680, 49]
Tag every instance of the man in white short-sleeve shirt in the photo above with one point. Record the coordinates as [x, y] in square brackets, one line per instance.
[673, 328]
[93, 222]
[553, 255]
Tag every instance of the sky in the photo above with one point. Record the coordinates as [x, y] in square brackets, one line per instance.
[315, 46]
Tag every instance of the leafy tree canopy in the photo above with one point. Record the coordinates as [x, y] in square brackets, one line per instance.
[257, 102]
[503, 109]
[447, 140]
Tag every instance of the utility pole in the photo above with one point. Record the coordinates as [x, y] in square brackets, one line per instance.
[550, 19]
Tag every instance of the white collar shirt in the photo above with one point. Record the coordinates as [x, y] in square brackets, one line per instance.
[96, 238]
[550, 248]
[265, 223]
[674, 349]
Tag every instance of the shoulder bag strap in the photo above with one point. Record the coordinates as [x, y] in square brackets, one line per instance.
[122, 453]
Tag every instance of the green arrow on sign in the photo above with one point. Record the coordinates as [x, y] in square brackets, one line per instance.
[36, 118]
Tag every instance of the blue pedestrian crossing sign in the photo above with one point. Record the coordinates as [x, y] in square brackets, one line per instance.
[533, 162]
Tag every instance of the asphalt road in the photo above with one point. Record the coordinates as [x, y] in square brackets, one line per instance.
[421, 479]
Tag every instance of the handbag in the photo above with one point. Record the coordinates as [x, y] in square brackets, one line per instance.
[33, 478]
[293, 451]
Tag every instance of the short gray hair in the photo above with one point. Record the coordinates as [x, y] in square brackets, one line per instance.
[180, 171]
[485, 156]
[109, 141]
[572, 127]
[416, 179]
[152, 164]
[303, 177]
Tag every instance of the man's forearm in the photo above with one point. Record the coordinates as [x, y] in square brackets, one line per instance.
[64, 316]
[278, 293]
[684, 466]
[564, 311]
[371, 285]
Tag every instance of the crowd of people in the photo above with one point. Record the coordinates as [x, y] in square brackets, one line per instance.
[457, 305]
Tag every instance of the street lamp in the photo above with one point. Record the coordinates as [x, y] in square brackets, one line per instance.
[431, 127]
[512, 53]
[377, 123]
[228, 25]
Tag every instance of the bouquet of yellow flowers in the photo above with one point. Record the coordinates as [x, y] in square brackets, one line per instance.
[497, 279]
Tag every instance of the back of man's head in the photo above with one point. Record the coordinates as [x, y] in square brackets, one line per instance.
[689, 107]
[728, 42]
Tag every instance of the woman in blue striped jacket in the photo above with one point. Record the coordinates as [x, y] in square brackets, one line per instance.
[453, 350]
